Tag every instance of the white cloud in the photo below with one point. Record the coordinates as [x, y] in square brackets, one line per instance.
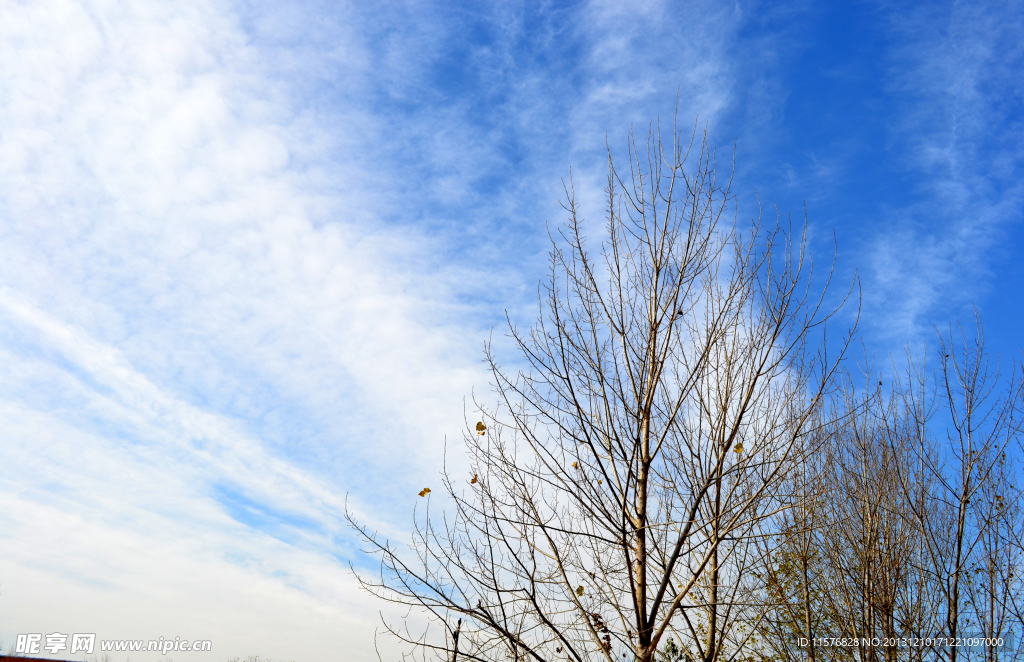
[178, 294]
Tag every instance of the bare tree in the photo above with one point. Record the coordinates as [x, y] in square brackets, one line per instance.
[984, 423]
[993, 577]
[621, 483]
[841, 563]
[791, 586]
[913, 531]
[869, 543]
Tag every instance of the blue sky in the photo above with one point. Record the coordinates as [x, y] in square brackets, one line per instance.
[250, 253]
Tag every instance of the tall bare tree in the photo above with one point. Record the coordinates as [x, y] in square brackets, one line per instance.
[620, 485]
[985, 421]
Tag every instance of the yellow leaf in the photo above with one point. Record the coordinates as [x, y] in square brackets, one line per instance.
[574, 466]
[738, 449]
[474, 479]
[480, 427]
[579, 591]
[425, 491]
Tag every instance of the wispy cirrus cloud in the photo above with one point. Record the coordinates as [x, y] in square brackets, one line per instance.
[957, 130]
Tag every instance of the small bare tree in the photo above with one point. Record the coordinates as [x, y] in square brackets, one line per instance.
[841, 564]
[870, 541]
[791, 585]
[910, 534]
[618, 488]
